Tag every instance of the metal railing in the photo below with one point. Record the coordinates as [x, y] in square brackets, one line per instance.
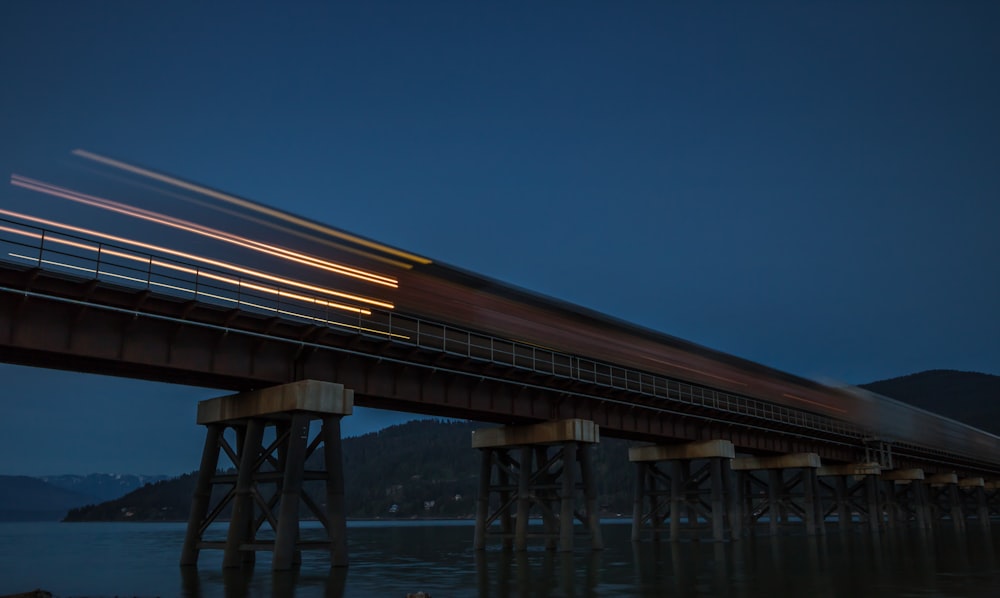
[84, 258]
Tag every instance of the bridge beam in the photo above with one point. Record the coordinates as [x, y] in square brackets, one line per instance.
[790, 486]
[520, 467]
[693, 477]
[269, 483]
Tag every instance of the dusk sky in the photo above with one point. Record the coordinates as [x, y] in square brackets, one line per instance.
[814, 186]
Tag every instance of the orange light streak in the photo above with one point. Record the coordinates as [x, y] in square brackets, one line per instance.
[204, 231]
[817, 403]
[178, 268]
[674, 364]
[243, 203]
[213, 296]
[206, 260]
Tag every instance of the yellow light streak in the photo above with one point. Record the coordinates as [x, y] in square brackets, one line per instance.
[214, 205]
[211, 295]
[243, 203]
[206, 260]
[202, 230]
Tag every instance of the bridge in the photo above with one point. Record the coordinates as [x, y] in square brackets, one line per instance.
[445, 342]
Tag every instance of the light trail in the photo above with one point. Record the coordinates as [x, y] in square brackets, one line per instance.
[817, 403]
[674, 364]
[242, 215]
[202, 230]
[237, 282]
[197, 293]
[250, 205]
[202, 259]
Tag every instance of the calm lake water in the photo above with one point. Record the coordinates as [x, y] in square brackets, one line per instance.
[391, 559]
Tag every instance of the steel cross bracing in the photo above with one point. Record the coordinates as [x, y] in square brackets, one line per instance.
[82, 258]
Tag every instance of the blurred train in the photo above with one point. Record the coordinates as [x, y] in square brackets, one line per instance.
[447, 294]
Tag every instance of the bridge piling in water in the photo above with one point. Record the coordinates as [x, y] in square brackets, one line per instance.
[695, 476]
[529, 475]
[972, 494]
[289, 410]
[790, 487]
[906, 498]
[944, 499]
[853, 491]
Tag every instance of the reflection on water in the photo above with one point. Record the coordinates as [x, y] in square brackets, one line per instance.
[437, 557]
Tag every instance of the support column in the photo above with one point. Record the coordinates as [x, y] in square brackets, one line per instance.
[903, 499]
[269, 482]
[287, 534]
[790, 487]
[336, 514]
[696, 469]
[948, 499]
[241, 521]
[975, 490]
[541, 482]
[202, 494]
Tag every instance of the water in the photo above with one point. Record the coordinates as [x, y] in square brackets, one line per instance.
[391, 559]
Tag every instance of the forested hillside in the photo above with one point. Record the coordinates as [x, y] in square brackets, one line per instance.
[968, 397]
[418, 469]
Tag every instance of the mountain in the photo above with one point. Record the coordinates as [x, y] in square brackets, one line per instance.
[419, 468]
[24, 498]
[968, 397]
[102, 486]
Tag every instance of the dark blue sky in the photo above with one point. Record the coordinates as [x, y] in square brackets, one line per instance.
[813, 186]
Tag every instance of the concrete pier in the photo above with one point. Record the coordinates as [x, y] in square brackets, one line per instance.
[684, 483]
[268, 484]
[542, 467]
[854, 491]
[779, 487]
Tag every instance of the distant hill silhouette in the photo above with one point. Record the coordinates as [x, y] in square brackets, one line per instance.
[102, 486]
[968, 397]
[24, 498]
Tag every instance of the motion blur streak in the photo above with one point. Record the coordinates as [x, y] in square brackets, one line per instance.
[198, 229]
[212, 262]
[674, 364]
[830, 407]
[237, 301]
[239, 283]
[244, 203]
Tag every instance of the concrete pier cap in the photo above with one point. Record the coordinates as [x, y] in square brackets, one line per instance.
[790, 461]
[691, 450]
[941, 479]
[305, 395]
[903, 475]
[850, 469]
[554, 432]
[972, 483]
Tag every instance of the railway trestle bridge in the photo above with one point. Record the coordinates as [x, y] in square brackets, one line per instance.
[706, 455]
